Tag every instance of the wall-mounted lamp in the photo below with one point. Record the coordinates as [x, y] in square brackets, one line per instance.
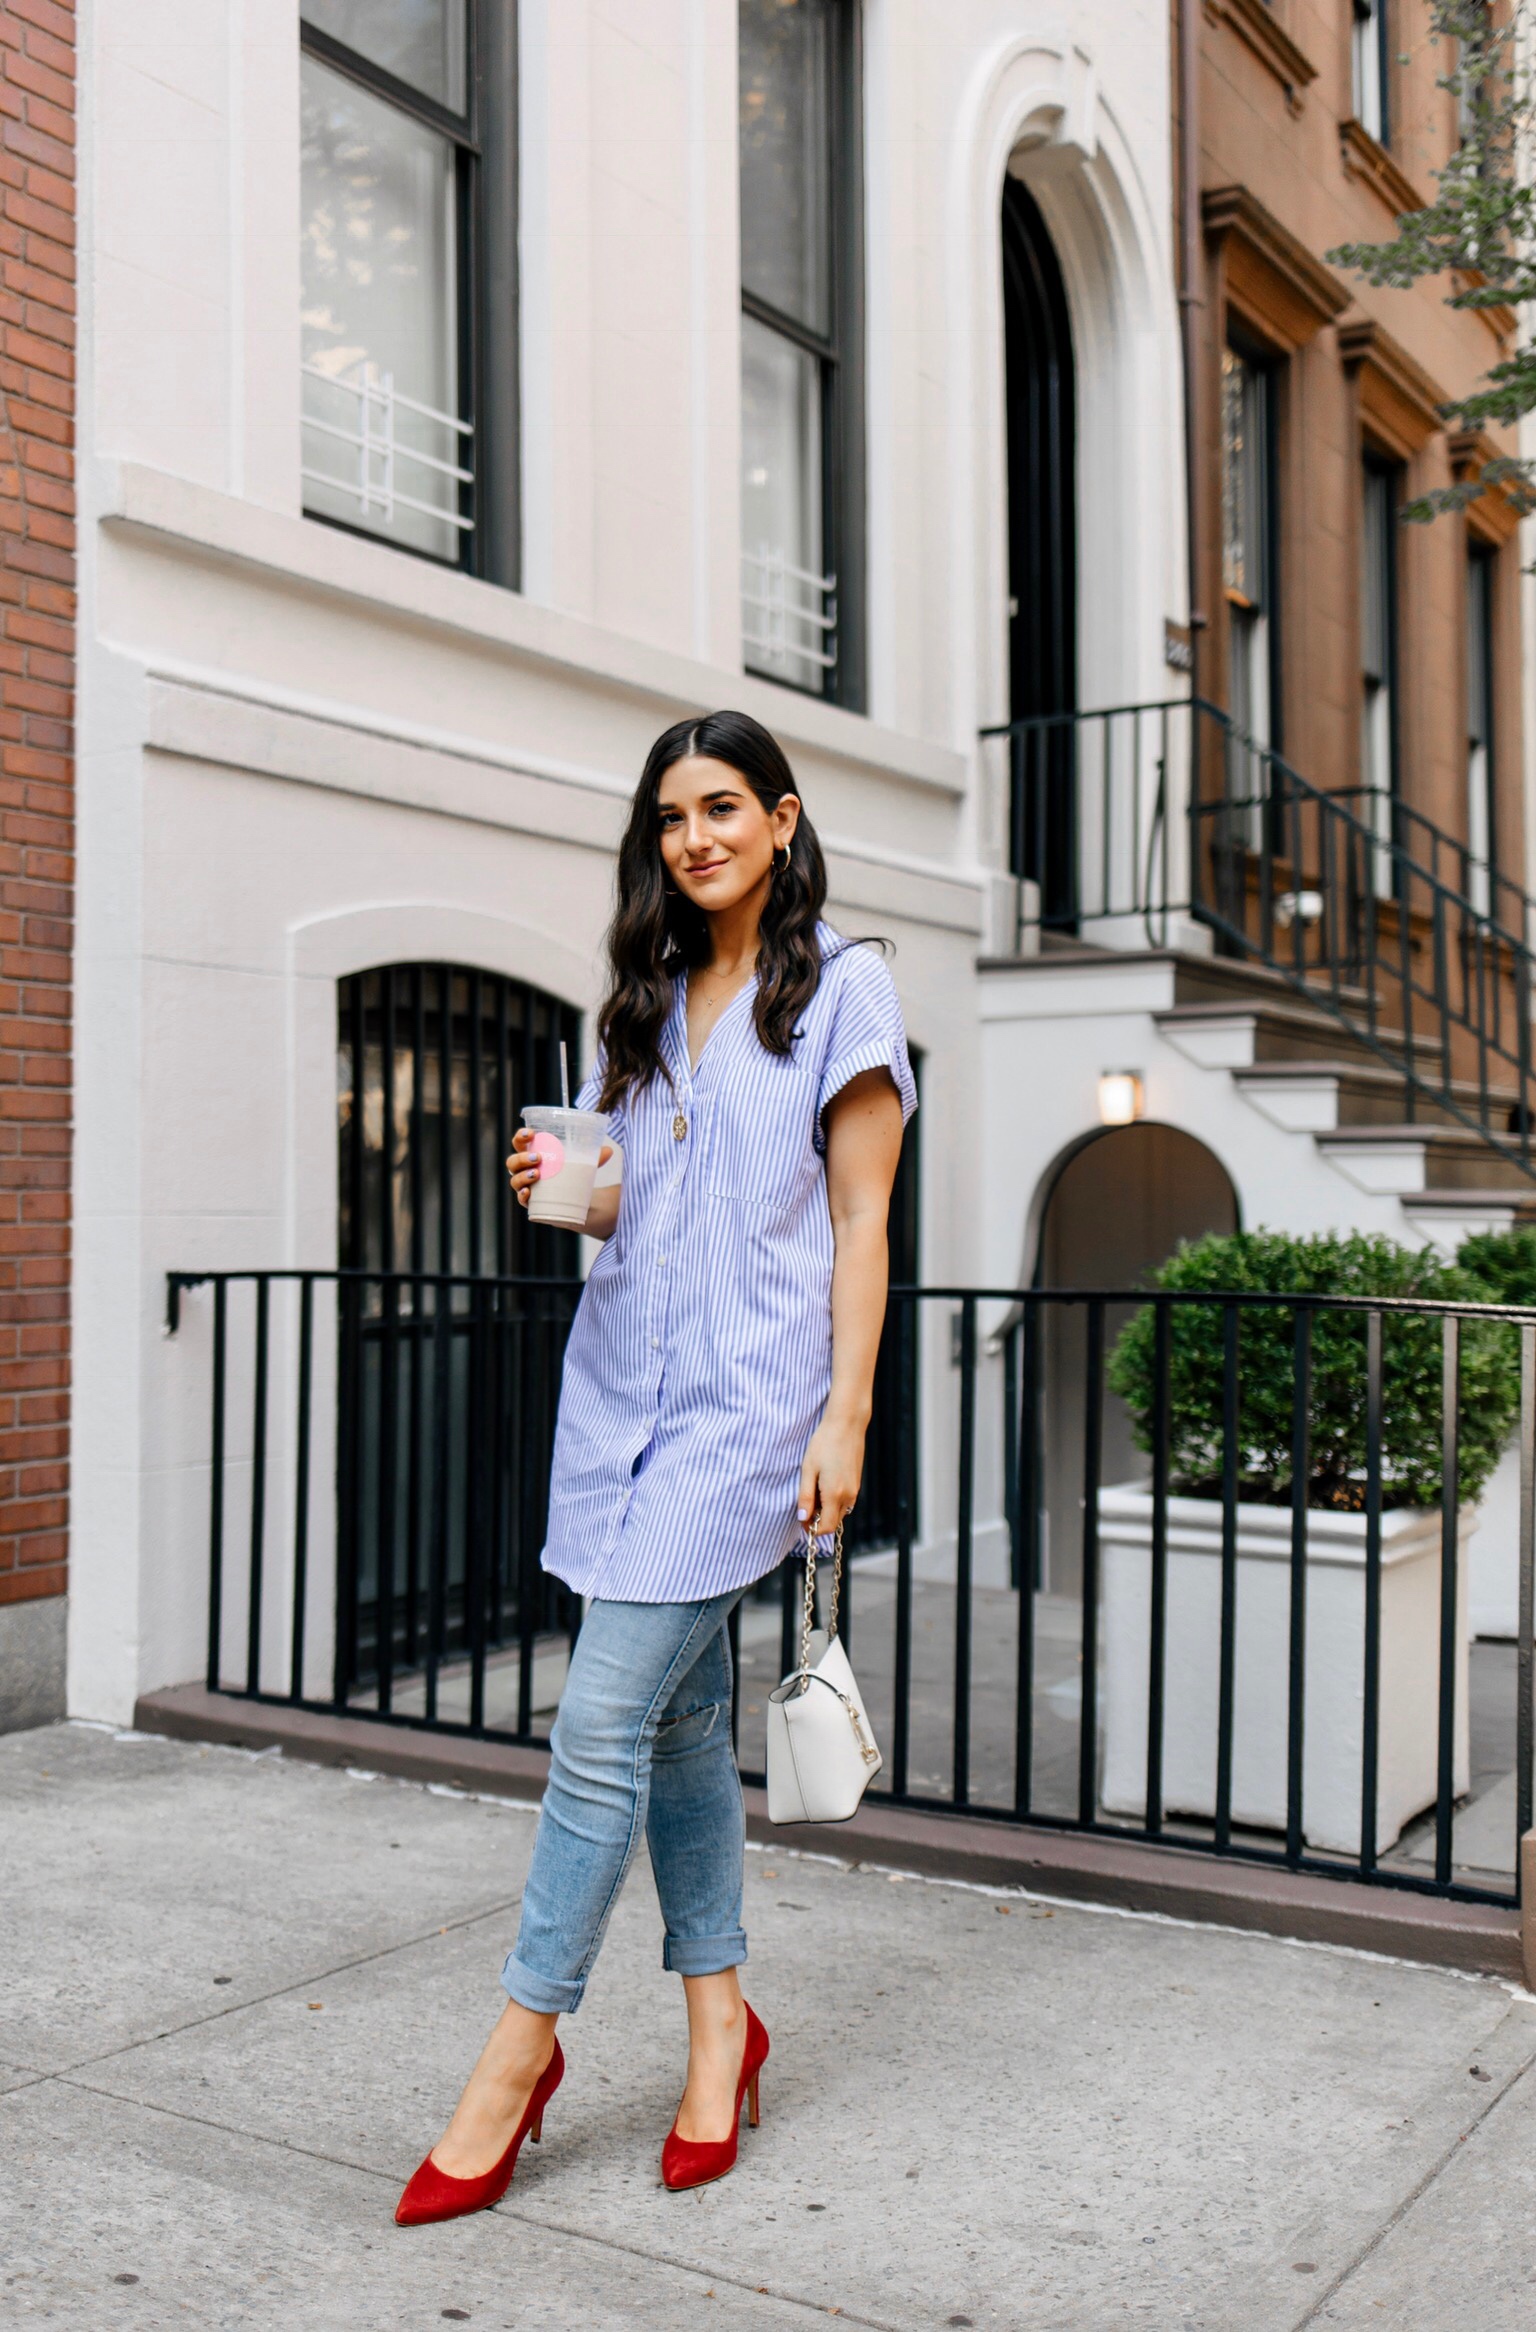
[1120, 1097]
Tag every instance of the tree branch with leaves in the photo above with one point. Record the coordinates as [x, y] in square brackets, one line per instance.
[1480, 229]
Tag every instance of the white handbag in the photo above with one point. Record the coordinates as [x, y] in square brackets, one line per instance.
[821, 1750]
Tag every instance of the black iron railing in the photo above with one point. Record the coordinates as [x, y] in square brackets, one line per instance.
[1362, 905]
[1058, 1633]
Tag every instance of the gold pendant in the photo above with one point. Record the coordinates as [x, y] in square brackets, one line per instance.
[679, 1127]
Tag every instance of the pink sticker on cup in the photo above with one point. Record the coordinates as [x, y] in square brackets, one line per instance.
[550, 1152]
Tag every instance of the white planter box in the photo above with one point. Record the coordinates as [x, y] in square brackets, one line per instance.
[1493, 1558]
[1335, 1692]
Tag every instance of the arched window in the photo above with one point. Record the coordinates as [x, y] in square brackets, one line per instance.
[447, 1388]
[434, 1064]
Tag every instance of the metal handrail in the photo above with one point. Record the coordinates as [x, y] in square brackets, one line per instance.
[1354, 956]
[779, 611]
[372, 389]
[1290, 877]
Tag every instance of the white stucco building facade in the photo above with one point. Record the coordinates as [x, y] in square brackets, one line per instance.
[305, 753]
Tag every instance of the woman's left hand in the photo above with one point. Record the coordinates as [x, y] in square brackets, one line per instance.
[829, 1478]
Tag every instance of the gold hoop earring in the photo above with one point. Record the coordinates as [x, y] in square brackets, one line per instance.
[784, 869]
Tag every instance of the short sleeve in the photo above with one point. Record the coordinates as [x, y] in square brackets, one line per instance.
[867, 1031]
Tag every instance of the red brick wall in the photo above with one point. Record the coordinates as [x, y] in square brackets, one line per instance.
[37, 615]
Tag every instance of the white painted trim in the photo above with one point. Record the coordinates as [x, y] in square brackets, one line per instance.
[1035, 106]
[195, 522]
[1040, 990]
[1304, 1104]
[199, 715]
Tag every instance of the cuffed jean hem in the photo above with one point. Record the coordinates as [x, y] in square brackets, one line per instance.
[703, 1955]
[545, 1995]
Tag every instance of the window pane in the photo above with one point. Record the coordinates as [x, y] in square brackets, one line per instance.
[786, 62]
[1479, 643]
[380, 330]
[1245, 477]
[420, 41]
[1367, 61]
[1376, 577]
[1482, 831]
[788, 605]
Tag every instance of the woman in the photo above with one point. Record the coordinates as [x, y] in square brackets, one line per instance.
[715, 1398]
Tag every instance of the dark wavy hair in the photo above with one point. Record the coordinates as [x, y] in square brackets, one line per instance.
[656, 933]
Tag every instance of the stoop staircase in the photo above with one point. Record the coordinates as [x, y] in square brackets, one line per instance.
[1306, 1071]
[1369, 984]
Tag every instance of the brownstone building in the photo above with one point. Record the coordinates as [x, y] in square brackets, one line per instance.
[1372, 655]
[37, 617]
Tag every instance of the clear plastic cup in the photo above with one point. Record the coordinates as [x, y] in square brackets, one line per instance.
[566, 1143]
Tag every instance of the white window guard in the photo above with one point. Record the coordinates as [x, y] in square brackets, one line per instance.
[788, 614]
[379, 449]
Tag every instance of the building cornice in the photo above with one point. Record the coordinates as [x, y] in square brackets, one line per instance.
[200, 524]
[1399, 403]
[1277, 285]
[1494, 515]
[243, 724]
[1365, 158]
[1256, 27]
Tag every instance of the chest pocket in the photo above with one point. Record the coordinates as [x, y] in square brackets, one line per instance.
[761, 1120]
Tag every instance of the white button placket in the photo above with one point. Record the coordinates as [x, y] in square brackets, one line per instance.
[681, 1131]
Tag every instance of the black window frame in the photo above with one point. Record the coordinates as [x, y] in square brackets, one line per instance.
[1270, 369]
[1483, 579]
[1376, 13]
[840, 360]
[1393, 471]
[484, 139]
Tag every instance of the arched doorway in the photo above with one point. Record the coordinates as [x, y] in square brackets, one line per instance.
[1116, 1207]
[1041, 398]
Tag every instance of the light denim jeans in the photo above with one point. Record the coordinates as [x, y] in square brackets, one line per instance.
[642, 1742]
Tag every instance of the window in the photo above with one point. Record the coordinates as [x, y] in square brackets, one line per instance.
[445, 1387]
[1474, 99]
[408, 271]
[1248, 543]
[1369, 59]
[1248, 540]
[801, 436]
[1482, 828]
[435, 1063]
[1378, 657]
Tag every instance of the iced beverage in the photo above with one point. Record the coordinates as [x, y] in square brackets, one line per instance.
[566, 1143]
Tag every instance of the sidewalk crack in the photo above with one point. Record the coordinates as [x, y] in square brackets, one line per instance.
[1415, 2194]
[524, 2218]
[298, 1983]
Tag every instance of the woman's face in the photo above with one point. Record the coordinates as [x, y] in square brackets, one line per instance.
[717, 840]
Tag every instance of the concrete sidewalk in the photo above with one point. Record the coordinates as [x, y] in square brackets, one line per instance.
[240, 1994]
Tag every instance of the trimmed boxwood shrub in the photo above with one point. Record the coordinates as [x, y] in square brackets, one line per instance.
[1359, 1265]
[1505, 1262]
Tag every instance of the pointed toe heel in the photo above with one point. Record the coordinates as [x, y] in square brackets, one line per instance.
[432, 2195]
[686, 2163]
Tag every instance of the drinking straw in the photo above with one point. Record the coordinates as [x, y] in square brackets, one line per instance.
[565, 1077]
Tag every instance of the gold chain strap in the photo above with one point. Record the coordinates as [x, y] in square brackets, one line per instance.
[808, 1623]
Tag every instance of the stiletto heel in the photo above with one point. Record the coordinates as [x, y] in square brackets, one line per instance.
[686, 2162]
[433, 2195]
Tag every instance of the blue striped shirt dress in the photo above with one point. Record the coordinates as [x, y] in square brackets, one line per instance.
[700, 1357]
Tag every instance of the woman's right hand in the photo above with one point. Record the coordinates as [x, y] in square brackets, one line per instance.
[523, 1165]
